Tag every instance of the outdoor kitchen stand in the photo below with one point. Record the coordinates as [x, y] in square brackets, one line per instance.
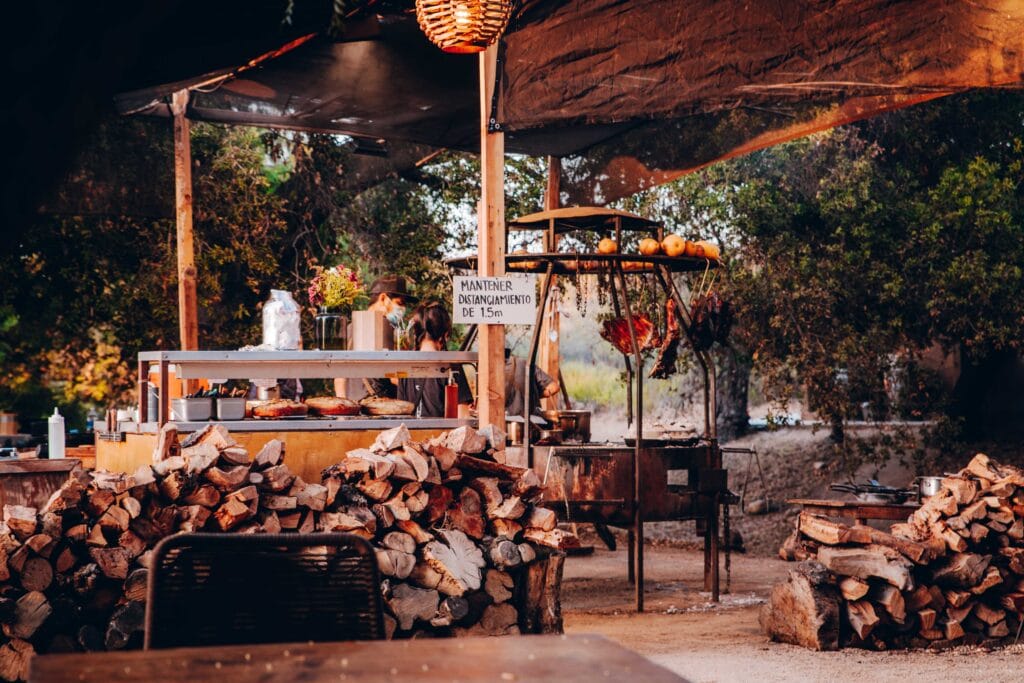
[625, 484]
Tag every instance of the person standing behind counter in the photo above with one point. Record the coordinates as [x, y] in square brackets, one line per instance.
[429, 330]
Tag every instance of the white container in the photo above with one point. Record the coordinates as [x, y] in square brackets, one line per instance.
[282, 322]
[55, 441]
[230, 408]
[191, 409]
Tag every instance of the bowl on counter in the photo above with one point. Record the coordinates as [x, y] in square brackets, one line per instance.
[192, 409]
[230, 408]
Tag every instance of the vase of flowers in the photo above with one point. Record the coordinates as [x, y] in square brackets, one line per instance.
[334, 291]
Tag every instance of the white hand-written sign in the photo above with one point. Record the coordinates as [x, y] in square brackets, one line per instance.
[508, 300]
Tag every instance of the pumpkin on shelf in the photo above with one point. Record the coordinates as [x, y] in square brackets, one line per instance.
[649, 246]
[674, 246]
[523, 265]
[694, 249]
[709, 250]
[607, 246]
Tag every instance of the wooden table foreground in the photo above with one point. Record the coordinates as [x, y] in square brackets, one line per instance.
[562, 659]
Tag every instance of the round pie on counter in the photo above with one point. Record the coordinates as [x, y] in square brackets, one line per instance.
[280, 408]
[377, 405]
[332, 405]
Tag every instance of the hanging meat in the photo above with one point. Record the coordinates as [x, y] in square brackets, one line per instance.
[711, 320]
[665, 365]
[617, 333]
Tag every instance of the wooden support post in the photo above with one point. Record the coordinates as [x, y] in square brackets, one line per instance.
[549, 358]
[491, 244]
[188, 313]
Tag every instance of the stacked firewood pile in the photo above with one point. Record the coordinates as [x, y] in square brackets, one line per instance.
[462, 546]
[953, 573]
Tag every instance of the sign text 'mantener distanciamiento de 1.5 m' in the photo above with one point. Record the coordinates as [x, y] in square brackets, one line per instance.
[508, 300]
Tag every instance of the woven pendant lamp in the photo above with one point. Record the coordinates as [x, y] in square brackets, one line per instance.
[463, 26]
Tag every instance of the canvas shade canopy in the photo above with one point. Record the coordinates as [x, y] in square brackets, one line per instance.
[630, 93]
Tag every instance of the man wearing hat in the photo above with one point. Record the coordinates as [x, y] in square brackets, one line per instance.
[389, 296]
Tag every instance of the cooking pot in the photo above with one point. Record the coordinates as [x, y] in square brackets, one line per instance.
[928, 486]
[574, 424]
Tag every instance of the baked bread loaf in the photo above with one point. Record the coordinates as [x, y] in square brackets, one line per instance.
[332, 405]
[280, 408]
[378, 405]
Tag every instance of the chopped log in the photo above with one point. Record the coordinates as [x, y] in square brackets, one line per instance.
[977, 532]
[831, 533]
[308, 523]
[541, 518]
[451, 610]
[385, 518]
[131, 542]
[194, 517]
[126, 624]
[853, 589]
[409, 604]
[804, 610]
[504, 554]
[991, 579]
[414, 530]
[488, 489]
[206, 495]
[199, 458]
[65, 559]
[862, 618]
[40, 544]
[270, 455]
[277, 478]
[30, 612]
[227, 479]
[78, 533]
[15, 656]
[497, 620]
[424, 576]
[132, 506]
[960, 570]
[395, 562]
[451, 476]
[538, 599]
[457, 559]
[172, 486]
[279, 503]
[67, 497]
[445, 457]
[172, 464]
[869, 561]
[918, 553]
[417, 502]
[988, 615]
[981, 467]
[467, 515]
[21, 520]
[470, 464]
[397, 540]
[113, 562]
[433, 472]
[96, 537]
[927, 618]
[945, 502]
[231, 514]
[527, 485]
[415, 458]
[918, 599]
[511, 508]
[890, 598]
[955, 542]
[166, 443]
[375, 489]
[956, 598]
[999, 630]
[235, 455]
[397, 508]
[466, 440]
[365, 461]
[963, 489]
[953, 630]
[498, 585]
[403, 471]
[115, 520]
[439, 500]
[37, 574]
[313, 496]
[556, 538]
[391, 439]
[506, 527]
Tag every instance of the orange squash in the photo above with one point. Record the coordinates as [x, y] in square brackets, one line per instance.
[607, 246]
[694, 249]
[710, 251]
[674, 246]
[649, 247]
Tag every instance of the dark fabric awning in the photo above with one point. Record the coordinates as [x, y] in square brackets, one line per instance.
[631, 93]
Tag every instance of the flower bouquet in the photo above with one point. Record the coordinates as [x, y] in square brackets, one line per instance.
[334, 291]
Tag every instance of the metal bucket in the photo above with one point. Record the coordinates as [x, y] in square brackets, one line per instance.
[928, 486]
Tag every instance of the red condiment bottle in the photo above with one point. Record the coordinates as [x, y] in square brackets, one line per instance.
[451, 397]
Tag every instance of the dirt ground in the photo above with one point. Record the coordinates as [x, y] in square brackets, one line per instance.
[702, 642]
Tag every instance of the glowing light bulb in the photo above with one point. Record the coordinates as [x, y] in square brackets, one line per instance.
[463, 16]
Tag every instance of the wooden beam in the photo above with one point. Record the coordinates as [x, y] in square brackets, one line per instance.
[188, 314]
[549, 358]
[491, 244]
